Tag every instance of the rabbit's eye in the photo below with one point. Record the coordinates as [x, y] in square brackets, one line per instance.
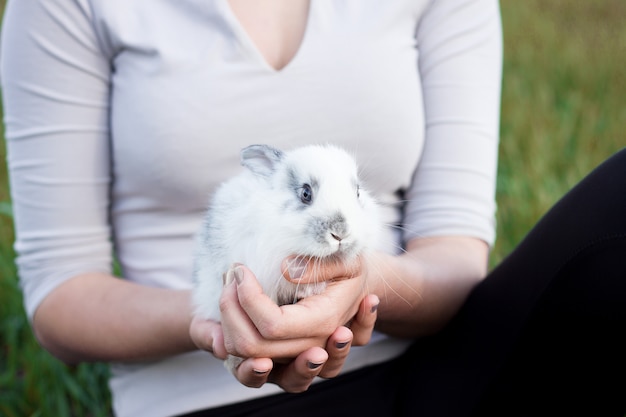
[306, 194]
[358, 191]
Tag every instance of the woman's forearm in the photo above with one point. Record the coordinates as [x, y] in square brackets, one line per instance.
[97, 317]
[422, 289]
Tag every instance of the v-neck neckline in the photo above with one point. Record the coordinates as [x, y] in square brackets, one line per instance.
[248, 44]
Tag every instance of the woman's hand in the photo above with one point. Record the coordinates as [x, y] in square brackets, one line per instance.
[305, 339]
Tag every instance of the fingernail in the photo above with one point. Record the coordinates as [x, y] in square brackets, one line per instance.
[260, 372]
[234, 273]
[238, 273]
[296, 267]
[374, 308]
[228, 277]
[312, 365]
[341, 345]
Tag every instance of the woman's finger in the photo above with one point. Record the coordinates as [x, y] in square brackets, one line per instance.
[243, 337]
[254, 372]
[338, 347]
[297, 375]
[312, 317]
[305, 270]
[363, 324]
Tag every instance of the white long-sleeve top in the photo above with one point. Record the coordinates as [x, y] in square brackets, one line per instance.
[122, 117]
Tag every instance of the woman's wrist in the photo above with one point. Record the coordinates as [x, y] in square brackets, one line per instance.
[421, 289]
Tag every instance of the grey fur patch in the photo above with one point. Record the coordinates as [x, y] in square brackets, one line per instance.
[295, 184]
[261, 159]
[320, 227]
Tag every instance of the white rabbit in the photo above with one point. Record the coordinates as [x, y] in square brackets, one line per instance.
[307, 202]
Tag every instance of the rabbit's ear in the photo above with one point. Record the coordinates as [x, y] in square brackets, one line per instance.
[261, 159]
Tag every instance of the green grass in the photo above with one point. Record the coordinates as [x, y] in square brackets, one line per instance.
[563, 104]
[563, 112]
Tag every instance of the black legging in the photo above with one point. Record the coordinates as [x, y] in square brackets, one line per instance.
[543, 334]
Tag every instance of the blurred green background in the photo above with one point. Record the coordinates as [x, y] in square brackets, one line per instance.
[563, 112]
